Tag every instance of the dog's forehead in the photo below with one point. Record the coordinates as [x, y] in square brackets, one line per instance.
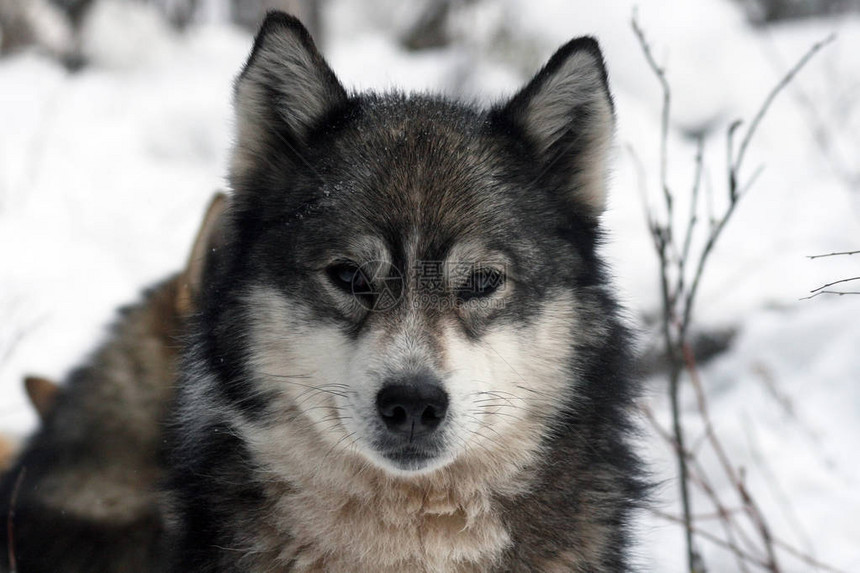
[430, 171]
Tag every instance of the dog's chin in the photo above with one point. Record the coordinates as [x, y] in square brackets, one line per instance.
[411, 462]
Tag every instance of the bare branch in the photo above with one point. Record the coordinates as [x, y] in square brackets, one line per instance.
[664, 118]
[699, 478]
[730, 151]
[835, 283]
[734, 166]
[740, 553]
[641, 183]
[836, 292]
[833, 254]
[694, 218]
[737, 479]
[772, 96]
[775, 486]
[811, 561]
[753, 178]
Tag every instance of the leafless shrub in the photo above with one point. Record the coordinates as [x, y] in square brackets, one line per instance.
[825, 288]
[746, 533]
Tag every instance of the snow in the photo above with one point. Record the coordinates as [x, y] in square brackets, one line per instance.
[784, 402]
[104, 175]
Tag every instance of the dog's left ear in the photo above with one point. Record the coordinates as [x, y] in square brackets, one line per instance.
[210, 238]
[566, 114]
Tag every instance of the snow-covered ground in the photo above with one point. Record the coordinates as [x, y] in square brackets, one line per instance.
[105, 173]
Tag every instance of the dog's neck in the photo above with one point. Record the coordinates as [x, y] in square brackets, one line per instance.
[347, 515]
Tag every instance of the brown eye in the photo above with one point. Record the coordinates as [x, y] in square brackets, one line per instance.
[349, 278]
[482, 282]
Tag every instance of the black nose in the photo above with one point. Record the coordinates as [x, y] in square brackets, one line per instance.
[414, 408]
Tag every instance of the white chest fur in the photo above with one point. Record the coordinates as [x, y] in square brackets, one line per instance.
[398, 528]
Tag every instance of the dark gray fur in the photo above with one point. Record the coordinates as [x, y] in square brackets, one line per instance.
[103, 436]
[84, 494]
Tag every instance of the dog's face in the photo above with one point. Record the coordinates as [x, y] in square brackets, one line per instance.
[407, 274]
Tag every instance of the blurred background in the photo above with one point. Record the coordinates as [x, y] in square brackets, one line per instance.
[115, 129]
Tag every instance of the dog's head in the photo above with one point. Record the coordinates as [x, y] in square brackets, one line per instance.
[408, 279]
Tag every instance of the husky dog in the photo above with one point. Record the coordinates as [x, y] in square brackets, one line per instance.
[42, 393]
[82, 496]
[407, 356]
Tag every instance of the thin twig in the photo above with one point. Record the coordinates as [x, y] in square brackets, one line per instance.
[809, 560]
[751, 181]
[774, 485]
[664, 239]
[747, 556]
[709, 197]
[731, 524]
[698, 478]
[772, 96]
[694, 218]
[740, 553]
[840, 281]
[836, 292]
[825, 132]
[730, 153]
[641, 183]
[833, 254]
[664, 118]
[661, 431]
[727, 516]
[737, 479]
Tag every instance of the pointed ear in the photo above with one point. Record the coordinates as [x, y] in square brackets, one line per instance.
[8, 451]
[566, 115]
[42, 393]
[209, 239]
[285, 89]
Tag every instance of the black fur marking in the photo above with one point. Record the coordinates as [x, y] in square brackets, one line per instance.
[210, 488]
[47, 541]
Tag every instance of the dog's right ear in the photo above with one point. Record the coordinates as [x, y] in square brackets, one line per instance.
[285, 89]
[42, 393]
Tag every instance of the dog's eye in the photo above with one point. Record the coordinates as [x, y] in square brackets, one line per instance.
[349, 277]
[482, 282]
